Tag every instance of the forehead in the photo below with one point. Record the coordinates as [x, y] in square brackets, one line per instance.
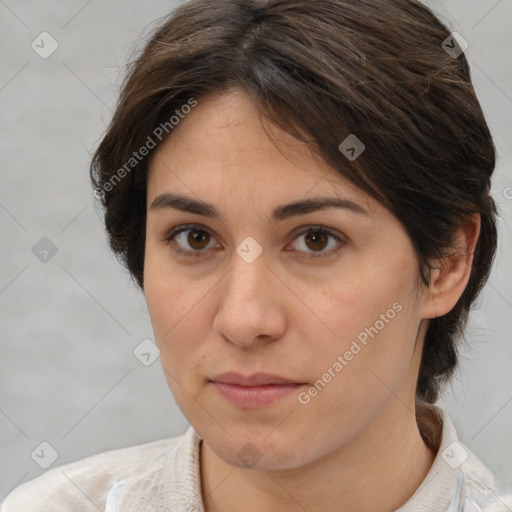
[225, 146]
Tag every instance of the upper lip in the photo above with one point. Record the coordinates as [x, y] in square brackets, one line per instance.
[257, 379]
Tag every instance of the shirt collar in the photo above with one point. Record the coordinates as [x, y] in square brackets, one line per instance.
[441, 485]
[176, 484]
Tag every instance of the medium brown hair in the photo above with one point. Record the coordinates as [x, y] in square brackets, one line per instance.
[323, 70]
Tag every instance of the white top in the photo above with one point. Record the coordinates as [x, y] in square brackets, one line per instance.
[164, 476]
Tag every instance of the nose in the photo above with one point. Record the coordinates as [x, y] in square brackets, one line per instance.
[252, 307]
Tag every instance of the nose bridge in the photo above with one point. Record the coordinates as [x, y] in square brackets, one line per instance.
[247, 310]
[247, 282]
[248, 268]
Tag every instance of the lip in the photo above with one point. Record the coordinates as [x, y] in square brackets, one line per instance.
[257, 379]
[254, 391]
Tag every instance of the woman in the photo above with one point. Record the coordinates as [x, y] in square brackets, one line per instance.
[301, 190]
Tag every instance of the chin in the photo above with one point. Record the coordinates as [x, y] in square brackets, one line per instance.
[260, 449]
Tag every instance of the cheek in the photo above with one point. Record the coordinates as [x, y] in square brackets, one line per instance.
[179, 324]
[360, 370]
[177, 310]
[372, 317]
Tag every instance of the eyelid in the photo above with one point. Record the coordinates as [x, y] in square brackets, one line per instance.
[168, 238]
[317, 227]
[186, 227]
[322, 229]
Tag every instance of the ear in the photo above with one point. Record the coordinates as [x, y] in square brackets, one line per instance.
[449, 280]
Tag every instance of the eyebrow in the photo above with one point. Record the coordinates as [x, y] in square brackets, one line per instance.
[302, 207]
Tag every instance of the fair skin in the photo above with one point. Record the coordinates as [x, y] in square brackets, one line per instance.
[356, 444]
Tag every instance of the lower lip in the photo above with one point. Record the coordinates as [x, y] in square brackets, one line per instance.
[246, 397]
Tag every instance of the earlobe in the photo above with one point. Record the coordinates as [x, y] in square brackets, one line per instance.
[451, 274]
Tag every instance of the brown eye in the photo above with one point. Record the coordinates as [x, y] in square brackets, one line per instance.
[190, 240]
[198, 239]
[316, 240]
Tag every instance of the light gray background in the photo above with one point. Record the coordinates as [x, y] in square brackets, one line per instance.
[69, 326]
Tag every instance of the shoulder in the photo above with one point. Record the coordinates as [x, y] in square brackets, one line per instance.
[480, 490]
[83, 486]
[457, 478]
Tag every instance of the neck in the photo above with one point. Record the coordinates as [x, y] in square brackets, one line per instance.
[378, 471]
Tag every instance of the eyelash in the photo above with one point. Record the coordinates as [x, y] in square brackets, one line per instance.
[199, 253]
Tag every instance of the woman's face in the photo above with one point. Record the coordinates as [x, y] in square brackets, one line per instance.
[326, 298]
